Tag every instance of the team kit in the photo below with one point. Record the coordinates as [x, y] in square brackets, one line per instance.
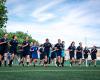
[27, 53]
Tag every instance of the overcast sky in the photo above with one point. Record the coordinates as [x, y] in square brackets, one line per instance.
[69, 20]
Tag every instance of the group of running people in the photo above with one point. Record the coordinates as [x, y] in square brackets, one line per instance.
[27, 53]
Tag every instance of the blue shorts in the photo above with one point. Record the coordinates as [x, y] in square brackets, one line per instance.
[59, 52]
[34, 56]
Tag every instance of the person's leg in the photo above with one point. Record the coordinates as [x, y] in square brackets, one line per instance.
[12, 58]
[49, 60]
[28, 59]
[58, 60]
[62, 61]
[5, 59]
[35, 61]
[86, 62]
[55, 60]
[94, 62]
[0, 60]
[73, 60]
[80, 61]
[45, 60]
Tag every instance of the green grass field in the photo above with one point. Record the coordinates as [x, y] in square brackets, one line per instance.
[50, 73]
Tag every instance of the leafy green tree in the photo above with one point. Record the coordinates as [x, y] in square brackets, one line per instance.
[3, 14]
[2, 31]
[21, 36]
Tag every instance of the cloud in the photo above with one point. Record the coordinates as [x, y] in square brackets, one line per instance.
[45, 16]
[68, 22]
[40, 13]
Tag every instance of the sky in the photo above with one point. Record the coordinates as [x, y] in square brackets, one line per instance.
[68, 20]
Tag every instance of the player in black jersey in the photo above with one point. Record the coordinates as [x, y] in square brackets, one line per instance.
[13, 48]
[26, 51]
[79, 52]
[3, 49]
[93, 55]
[86, 52]
[71, 50]
[47, 48]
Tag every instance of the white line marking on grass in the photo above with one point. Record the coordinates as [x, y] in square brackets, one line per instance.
[50, 71]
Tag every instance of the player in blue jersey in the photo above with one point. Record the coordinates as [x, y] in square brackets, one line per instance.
[34, 51]
[63, 54]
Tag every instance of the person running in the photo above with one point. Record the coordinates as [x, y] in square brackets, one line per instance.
[20, 51]
[47, 47]
[79, 52]
[4, 49]
[53, 56]
[63, 54]
[26, 51]
[71, 50]
[86, 52]
[59, 47]
[34, 50]
[41, 51]
[13, 49]
[93, 56]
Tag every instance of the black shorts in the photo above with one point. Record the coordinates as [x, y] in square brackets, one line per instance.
[46, 53]
[25, 53]
[13, 50]
[71, 55]
[30, 54]
[3, 50]
[85, 56]
[53, 55]
[78, 55]
[93, 56]
[41, 56]
[20, 54]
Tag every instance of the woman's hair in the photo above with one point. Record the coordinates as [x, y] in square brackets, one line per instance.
[72, 43]
[14, 36]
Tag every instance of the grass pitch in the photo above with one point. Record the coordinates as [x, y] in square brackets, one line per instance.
[50, 73]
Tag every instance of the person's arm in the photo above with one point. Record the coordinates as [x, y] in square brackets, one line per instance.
[69, 49]
[31, 49]
[96, 51]
[56, 47]
[25, 45]
[2, 42]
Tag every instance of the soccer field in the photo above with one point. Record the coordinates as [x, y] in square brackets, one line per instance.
[50, 73]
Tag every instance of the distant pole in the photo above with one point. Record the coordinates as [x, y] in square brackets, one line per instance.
[85, 41]
[27, 30]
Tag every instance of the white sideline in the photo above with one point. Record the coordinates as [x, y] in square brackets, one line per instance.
[49, 71]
